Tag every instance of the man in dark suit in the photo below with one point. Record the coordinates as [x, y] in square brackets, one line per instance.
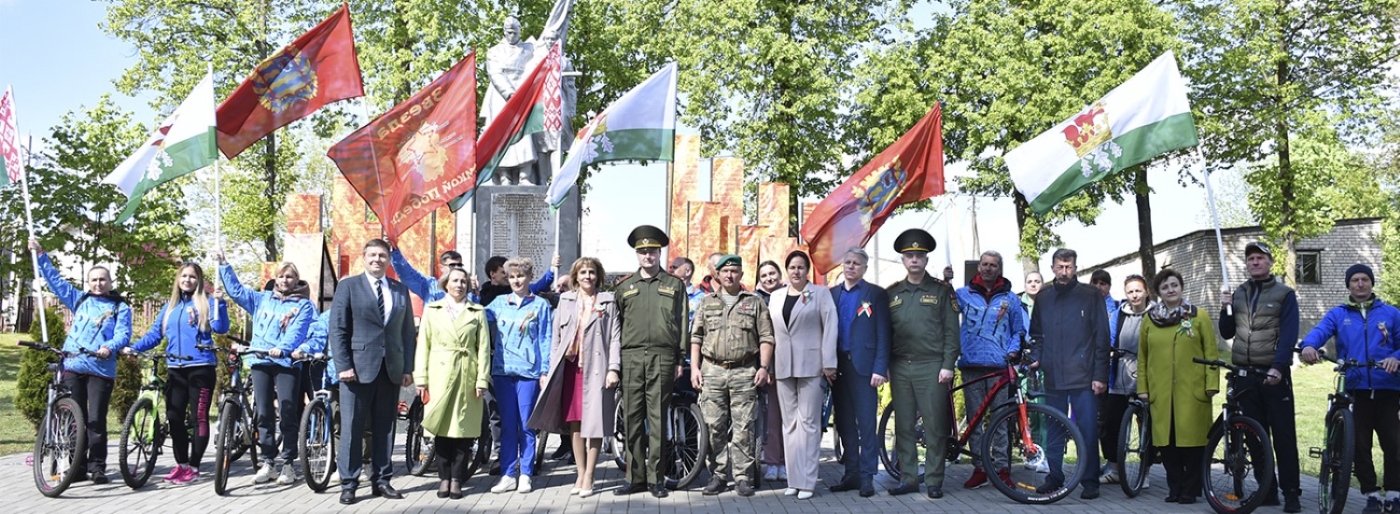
[372, 339]
[862, 363]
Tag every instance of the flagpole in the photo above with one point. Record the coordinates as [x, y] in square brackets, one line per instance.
[1215, 217]
[29, 222]
[383, 207]
[218, 208]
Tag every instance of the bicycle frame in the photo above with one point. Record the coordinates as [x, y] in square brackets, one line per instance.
[1004, 378]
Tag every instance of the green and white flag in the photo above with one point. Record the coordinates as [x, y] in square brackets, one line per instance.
[639, 126]
[1144, 117]
[183, 144]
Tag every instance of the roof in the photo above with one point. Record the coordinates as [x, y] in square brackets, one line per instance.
[1207, 232]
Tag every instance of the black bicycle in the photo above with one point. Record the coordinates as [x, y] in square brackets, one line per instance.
[1238, 465]
[238, 421]
[144, 430]
[1134, 442]
[1339, 440]
[320, 429]
[62, 438]
[686, 443]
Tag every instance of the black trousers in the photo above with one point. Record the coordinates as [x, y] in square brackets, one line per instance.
[1374, 412]
[453, 454]
[1183, 467]
[1272, 406]
[281, 383]
[183, 387]
[367, 408]
[1111, 410]
[94, 394]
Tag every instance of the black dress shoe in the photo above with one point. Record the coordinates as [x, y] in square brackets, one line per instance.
[99, 477]
[347, 497]
[904, 489]
[848, 484]
[627, 488]
[1089, 493]
[867, 489]
[387, 492]
[659, 491]
[935, 492]
[1186, 500]
[495, 468]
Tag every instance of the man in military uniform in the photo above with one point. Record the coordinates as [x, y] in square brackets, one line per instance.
[731, 355]
[924, 319]
[654, 309]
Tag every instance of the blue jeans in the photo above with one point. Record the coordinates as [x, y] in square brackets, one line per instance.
[515, 400]
[1086, 416]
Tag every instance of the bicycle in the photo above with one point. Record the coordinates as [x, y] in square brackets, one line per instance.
[62, 438]
[1016, 416]
[1339, 440]
[686, 443]
[143, 429]
[1134, 443]
[1237, 448]
[320, 430]
[238, 421]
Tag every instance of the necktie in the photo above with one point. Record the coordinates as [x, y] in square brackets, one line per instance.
[379, 295]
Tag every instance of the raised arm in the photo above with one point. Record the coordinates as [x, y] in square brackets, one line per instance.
[244, 297]
[411, 278]
[65, 291]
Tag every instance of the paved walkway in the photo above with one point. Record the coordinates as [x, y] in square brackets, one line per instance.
[551, 496]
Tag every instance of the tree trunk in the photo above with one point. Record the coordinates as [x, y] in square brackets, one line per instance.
[1144, 215]
[1288, 229]
[1029, 261]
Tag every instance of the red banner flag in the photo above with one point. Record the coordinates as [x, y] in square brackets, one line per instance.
[417, 156]
[320, 67]
[909, 170]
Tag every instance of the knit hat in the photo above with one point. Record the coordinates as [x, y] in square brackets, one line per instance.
[1359, 268]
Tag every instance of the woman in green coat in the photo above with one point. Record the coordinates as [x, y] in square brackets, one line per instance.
[453, 369]
[1178, 390]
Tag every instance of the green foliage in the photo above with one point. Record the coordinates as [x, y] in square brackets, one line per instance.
[1282, 87]
[1005, 72]
[31, 385]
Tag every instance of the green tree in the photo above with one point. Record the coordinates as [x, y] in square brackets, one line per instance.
[1005, 71]
[32, 381]
[1269, 76]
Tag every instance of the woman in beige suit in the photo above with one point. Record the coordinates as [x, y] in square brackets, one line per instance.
[585, 366]
[805, 326]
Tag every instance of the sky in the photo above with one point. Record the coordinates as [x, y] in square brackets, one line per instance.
[57, 58]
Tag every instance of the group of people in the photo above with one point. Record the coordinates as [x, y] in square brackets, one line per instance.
[561, 366]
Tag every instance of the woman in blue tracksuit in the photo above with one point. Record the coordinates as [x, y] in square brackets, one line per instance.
[188, 320]
[101, 324]
[281, 319]
[1364, 328]
[522, 326]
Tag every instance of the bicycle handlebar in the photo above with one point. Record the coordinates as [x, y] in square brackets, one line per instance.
[244, 351]
[315, 357]
[158, 355]
[1344, 364]
[1217, 363]
[46, 348]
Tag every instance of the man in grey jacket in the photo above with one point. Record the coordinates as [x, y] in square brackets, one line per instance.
[1069, 343]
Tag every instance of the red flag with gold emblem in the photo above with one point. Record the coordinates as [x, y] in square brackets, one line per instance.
[319, 68]
[417, 156]
[909, 170]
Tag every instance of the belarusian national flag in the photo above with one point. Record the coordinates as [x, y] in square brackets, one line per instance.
[534, 108]
[1144, 117]
[9, 141]
[641, 126]
[184, 143]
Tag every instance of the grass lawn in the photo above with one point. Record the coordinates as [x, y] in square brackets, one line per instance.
[1311, 385]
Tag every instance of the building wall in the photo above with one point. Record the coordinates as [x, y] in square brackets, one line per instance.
[1196, 257]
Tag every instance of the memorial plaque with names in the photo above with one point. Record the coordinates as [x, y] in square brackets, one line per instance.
[515, 221]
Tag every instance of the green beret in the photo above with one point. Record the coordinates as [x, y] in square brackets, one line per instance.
[730, 260]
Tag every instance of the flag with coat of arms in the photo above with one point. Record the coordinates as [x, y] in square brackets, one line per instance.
[184, 143]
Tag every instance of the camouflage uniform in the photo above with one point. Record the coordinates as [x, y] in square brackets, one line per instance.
[729, 339]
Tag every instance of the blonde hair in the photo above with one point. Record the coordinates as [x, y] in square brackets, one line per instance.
[198, 297]
[522, 265]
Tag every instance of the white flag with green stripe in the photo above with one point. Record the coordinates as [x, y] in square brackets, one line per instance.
[183, 144]
[1144, 117]
[639, 126]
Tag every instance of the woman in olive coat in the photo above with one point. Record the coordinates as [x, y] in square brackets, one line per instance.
[452, 368]
[1178, 390]
[585, 366]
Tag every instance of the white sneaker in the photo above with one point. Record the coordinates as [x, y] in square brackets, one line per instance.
[1146, 482]
[507, 483]
[791, 491]
[1109, 477]
[265, 474]
[525, 485]
[805, 494]
[288, 475]
[770, 472]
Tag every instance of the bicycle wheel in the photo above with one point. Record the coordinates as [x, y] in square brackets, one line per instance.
[1334, 473]
[1238, 464]
[689, 444]
[1134, 449]
[417, 450]
[888, 456]
[139, 443]
[227, 447]
[480, 457]
[619, 438]
[1057, 438]
[62, 439]
[315, 445]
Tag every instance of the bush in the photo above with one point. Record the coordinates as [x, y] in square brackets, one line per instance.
[128, 384]
[31, 386]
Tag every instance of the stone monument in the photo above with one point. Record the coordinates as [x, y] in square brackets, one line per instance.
[516, 221]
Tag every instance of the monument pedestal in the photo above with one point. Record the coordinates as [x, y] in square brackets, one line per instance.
[516, 221]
